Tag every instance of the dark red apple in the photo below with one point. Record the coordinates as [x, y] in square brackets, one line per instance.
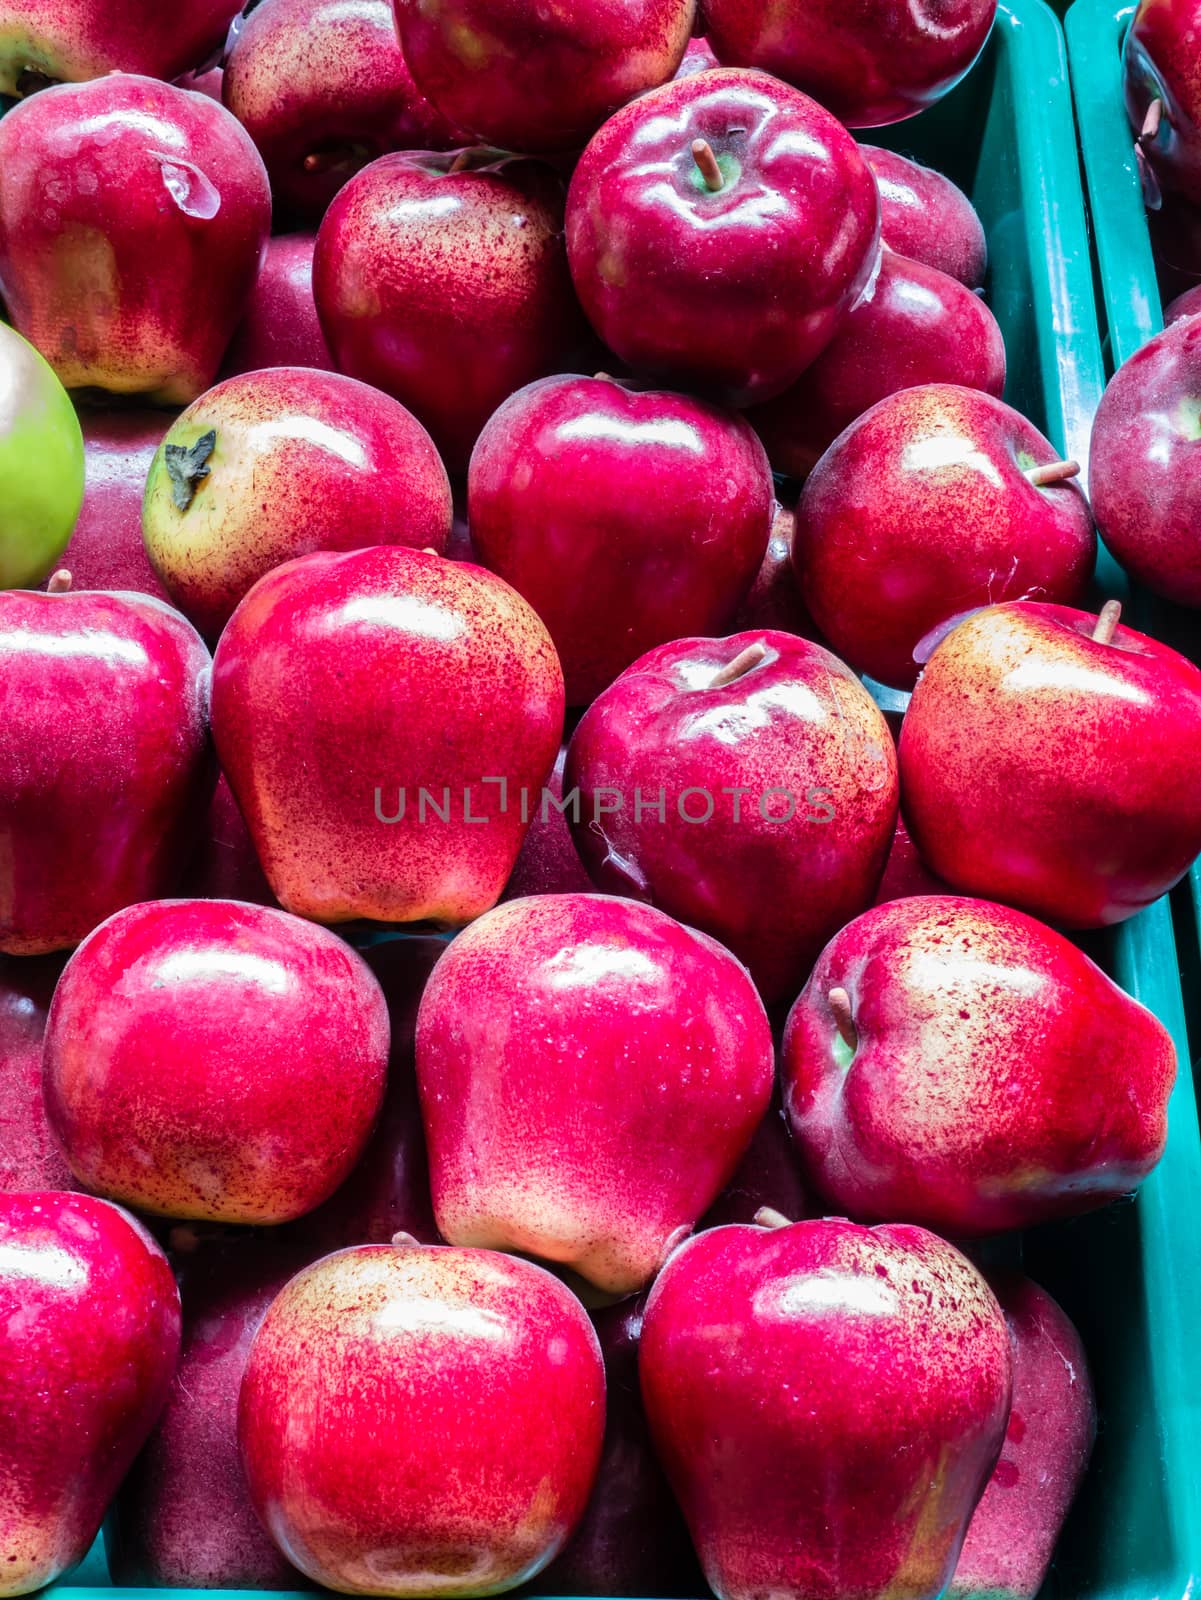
[106, 550]
[49, 41]
[905, 873]
[1162, 84]
[769, 1175]
[924, 216]
[719, 229]
[698, 57]
[29, 1158]
[937, 500]
[443, 281]
[421, 1421]
[774, 599]
[280, 327]
[625, 517]
[133, 217]
[225, 866]
[549, 862]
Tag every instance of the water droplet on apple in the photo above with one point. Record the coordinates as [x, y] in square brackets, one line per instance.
[194, 194]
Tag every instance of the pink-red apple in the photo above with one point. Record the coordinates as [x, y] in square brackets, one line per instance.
[924, 216]
[29, 1157]
[52, 41]
[106, 550]
[280, 327]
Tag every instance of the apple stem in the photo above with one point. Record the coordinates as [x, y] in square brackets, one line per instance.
[1111, 615]
[1053, 472]
[839, 1002]
[1151, 122]
[60, 582]
[769, 1217]
[702, 154]
[744, 662]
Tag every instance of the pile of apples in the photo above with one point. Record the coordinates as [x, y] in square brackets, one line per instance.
[420, 567]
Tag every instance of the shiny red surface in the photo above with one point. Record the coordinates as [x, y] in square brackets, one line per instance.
[1159, 61]
[280, 327]
[924, 216]
[79, 39]
[29, 1158]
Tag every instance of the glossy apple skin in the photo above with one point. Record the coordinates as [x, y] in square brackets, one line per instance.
[1159, 61]
[280, 327]
[448, 290]
[418, 674]
[905, 873]
[106, 550]
[214, 1060]
[78, 39]
[926, 217]
[1144, 477]
[625, 518]
[859, 1377]
[41, 464]
[183, 1516]
[877, 63]
[549, 862]
[771, 878]
[422, 1421]
[913, 325]
[1058, 774]
[156, 195]
[1052, 1424]
[697, 57]
[326, 79]
[224, 866]
[774, 598]
[599, 1147]
[527, 77]
[962, 1107]
[769, 1174]
[922, 510]
[89, 1336]
[301, 461]
[29, 1158]
[631, 1539]
[736, 291]
[104, 761]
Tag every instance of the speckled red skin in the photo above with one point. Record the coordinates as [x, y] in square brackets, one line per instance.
[393, 670]
[133, 217]
[1159, 61]
[75, 39]
[963, 1107]
[769, 1174]
[876, 63]
[302, 461]
[105, 768]
[626, 518]
[860, 1381]
[1144, 476]
[652, 1070]
[771, 887]
[89, 1335]
[905, 873]
[29, 1158]
[631, 1539]
[326, 78]
[214, 1060]
[924, 216]
[281, 327]
[735, 291]
[774, 599]
[922, 510]
[525, 76]
[913, 325]
[183, 1516]
[225, 866]
[1187, 304]
[549, 862]
[449, 290]
[1058, 774]
[422, 1421]
[1052, 1424]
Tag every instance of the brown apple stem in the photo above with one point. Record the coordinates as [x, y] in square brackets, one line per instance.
[742, 663]
[702, 154]
[60, 582]
[404, 1241]
[769, 1217]
[1111, 615]
[1151, 121]
[1053, 472]
[839, 1002]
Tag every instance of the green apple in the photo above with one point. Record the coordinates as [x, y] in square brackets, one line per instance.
[41, 465]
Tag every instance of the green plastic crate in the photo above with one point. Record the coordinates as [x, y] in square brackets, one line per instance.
[1130, 1275]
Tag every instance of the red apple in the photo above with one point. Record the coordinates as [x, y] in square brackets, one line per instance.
[1054, 762]
[877, 62]
[133, 217]
[526, 76]
[582, 1102]
[29, 1158]
[104, 762]
[89, 1335]
[47, 41]
[905, 873]
[767, 1176]
[747, 786]
[1162, 83]
[626, 518]
[277, 464]
[937, 500]
[931, 1071]
[322, 89]
[371, 709]
[106, 549]
[719, 229]
[697, 57]
[924, 216]
[1187, 304]
[913, 325]
[225, 866]
[1052, 1424]
[215, 1060]
[280, 327]
[422, 1421]
[443, 281]
[828, 1402]
[774, 599]
[548, 862]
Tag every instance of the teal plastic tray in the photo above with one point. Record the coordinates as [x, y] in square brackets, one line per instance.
[1130, 1275]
